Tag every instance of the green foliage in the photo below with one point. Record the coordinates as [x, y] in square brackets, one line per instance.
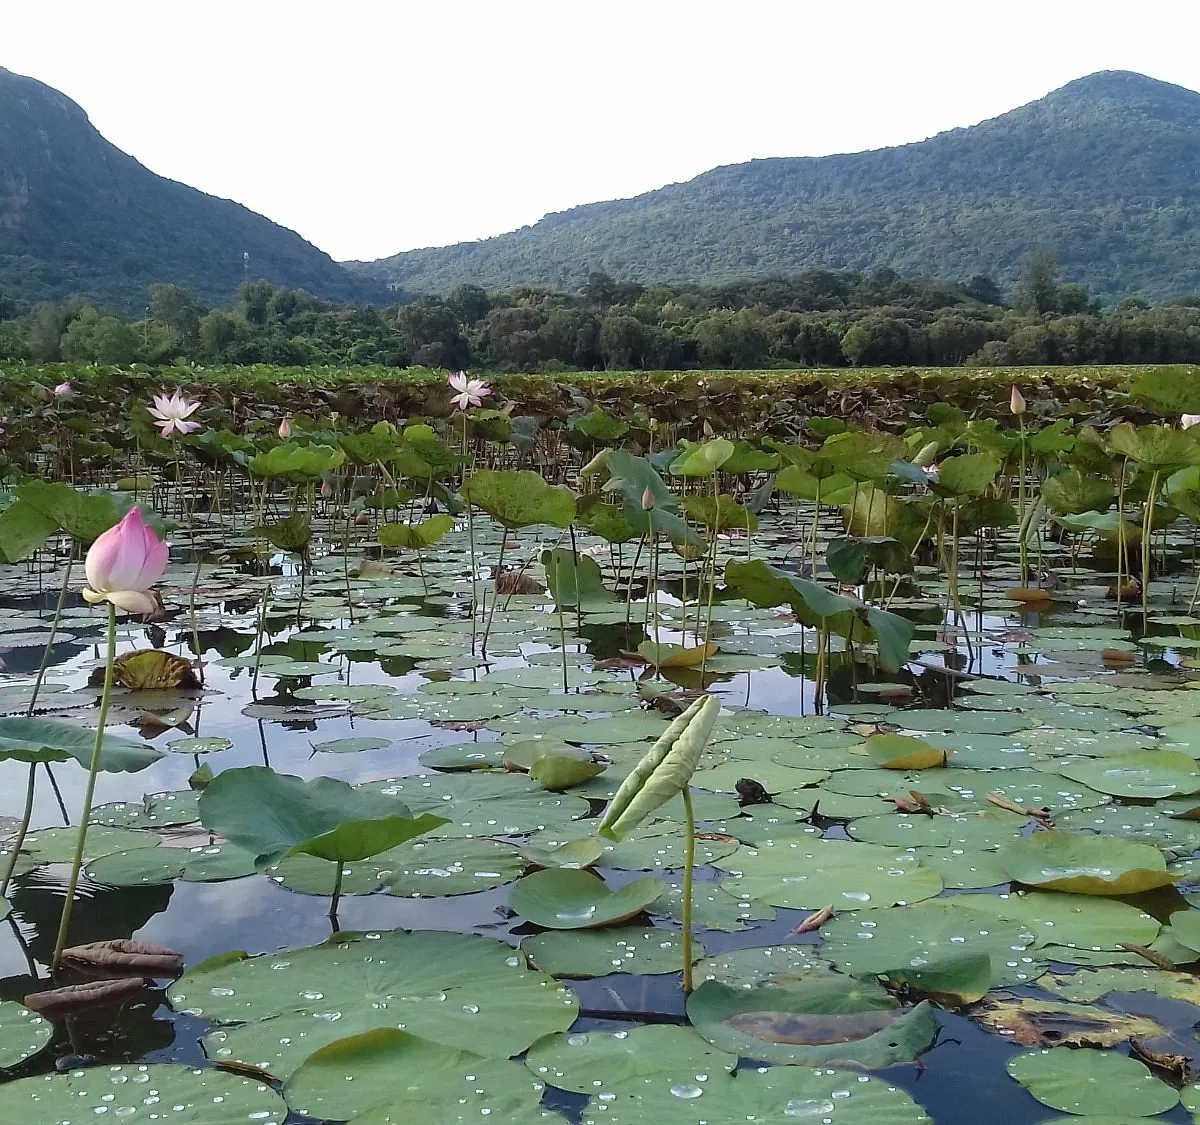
[1058, 188]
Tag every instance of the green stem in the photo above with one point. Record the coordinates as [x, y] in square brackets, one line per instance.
[1121, 529]
[337, 889]
[89, 792]
[1021, 514]
[487, 625]
[19, 840]
[58, 613]
[1147, 531]
[689, 864]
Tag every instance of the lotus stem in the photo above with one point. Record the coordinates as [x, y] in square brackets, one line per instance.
[58, 613]
[22, 829]
[1147, 532]
[1121, 529]
[1021, 513]
[689, 864]
[487, 625]
[337, 892]
[89, 792]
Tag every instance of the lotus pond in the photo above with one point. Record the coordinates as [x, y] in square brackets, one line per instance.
[359, 847]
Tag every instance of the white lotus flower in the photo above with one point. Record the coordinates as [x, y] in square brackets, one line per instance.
[471, 392]
[172, 413]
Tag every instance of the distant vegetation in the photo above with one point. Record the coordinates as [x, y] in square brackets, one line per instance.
[819, 318]
[1100, 173]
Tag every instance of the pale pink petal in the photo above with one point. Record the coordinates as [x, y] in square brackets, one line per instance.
[462, 401]
[186, 427]
[458, 381]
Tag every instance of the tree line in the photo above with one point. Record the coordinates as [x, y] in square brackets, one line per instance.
[818, 318]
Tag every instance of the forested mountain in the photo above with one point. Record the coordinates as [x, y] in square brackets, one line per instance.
[1100, 173]
[79, 217]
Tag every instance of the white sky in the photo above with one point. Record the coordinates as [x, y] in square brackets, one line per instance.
[373, 126]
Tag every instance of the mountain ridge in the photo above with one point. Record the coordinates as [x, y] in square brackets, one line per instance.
[1095, 171]
[80, 217]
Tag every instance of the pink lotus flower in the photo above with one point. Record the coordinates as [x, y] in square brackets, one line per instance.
[471, 392]
[63, 390]
[123, 564]
[285, 430]
[172, 413]
[1187, 421]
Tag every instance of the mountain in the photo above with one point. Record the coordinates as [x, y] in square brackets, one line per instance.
[1102, 172]
[80, 217]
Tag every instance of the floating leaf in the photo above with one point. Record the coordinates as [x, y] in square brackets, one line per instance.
[614, 949]
[1092, 1082]
[826, 1019]
[566, 899]
[1085, 864]
[191, 1096]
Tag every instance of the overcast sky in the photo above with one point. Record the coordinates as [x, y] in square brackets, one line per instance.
[373, 127]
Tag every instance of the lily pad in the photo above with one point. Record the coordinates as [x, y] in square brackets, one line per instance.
[565, 899]
[22, 1034]
[614, 949]
[626, 1062]
[432, 868]
[397, 1076]
[1085, 864]
[805, 873]
[766, 1094]
[141, 1094]
[1083, 1081]
[466, 992]
[871, 942]
[826, 1019]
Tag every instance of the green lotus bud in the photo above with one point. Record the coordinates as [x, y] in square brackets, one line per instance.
[664, 772]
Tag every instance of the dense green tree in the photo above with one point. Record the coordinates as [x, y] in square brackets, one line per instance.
[97, 337]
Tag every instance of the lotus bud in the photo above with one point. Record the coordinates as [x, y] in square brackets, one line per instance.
[1016, 402]
[664, 772]
[326, 490]
[648, 500]
[63, 390]
[124, 563]
[926, 455]
[285, 430]
[1187, 421]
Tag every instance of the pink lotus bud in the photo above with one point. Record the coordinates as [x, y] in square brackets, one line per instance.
[326, 490]
[124, 563]
[63, 390]
[648, 500]
[1016, 402]
[285, 430]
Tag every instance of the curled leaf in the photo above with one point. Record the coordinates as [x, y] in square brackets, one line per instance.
[124, 957]
[75, 997]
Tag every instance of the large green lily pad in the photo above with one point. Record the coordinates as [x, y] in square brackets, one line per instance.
[613, 949]
[141, 1094]
[1085, 1081]
[805, 873]
[626, 1062]
[825, 1019]
[776, 1094]
[388, 1074]
[463, 991]
[22, 1034]
[1085, 864]
[561, 898]
[873, 942]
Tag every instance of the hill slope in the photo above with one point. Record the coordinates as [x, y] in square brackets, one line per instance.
[1101, 171]
[79, 216]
